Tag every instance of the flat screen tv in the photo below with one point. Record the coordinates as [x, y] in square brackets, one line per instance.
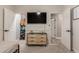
[36, 17]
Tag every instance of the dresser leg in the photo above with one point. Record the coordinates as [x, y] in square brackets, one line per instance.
[18, 48]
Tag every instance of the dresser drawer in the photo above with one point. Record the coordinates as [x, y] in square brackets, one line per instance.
[32, 39]
[32, 35]
[38, 35]
[32, 43]
[37, 39]
[37, 43]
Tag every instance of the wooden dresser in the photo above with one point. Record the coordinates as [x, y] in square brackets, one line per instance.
[37, 39]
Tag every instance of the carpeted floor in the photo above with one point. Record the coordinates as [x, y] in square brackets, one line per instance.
[54, 48]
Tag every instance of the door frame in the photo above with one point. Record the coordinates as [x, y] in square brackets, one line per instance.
[3, 23]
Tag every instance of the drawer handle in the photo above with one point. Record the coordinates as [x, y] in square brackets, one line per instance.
[32, 37]
[32, 41]
[42, 37]
[42, 41]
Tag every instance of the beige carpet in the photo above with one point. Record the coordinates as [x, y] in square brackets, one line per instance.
[42, 49]
[54, 48]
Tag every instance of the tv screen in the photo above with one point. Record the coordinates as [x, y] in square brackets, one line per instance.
[36, 17]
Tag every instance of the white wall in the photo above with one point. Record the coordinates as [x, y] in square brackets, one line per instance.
[40, 27]
[59, 26]
[1, 19]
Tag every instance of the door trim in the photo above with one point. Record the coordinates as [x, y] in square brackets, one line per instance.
[71, 28]
[3, 23]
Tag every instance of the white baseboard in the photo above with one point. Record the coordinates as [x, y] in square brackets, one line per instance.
[76, 51]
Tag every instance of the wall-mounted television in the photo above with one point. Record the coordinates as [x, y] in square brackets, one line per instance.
[36, 17]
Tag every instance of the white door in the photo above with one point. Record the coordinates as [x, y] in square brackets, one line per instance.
[66, 34]
[9, 25]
